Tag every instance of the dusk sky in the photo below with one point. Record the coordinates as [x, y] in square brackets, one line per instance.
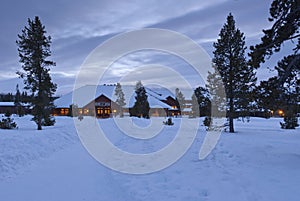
[78, 27]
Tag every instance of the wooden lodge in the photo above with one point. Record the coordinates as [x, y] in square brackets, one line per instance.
[103, 105]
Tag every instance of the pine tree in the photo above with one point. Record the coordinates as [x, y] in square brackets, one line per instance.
[195, 106]
[238, 77]
[18, 104]
[34, 48]
[17, 96]
[285, 16]
[120, 98]
[291, 93]
[7, 122]
[203, 96]
[268, 95]
[180, 99]
[141, 106]
[217, 96]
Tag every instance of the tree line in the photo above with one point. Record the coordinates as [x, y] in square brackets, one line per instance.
[17, 97]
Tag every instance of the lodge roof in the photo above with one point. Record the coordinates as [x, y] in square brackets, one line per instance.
[11, 104]
[7, 104]
[155, 96]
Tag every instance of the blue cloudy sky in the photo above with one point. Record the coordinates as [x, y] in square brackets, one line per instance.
[78, 27]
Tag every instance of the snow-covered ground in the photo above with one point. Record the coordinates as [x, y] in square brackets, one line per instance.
[259, 162]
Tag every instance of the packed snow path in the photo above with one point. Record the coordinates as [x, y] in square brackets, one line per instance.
[259, 162]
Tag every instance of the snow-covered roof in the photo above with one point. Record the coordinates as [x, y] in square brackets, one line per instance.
[160, 93]
[187, 109]
[7, 104]
[108, 91]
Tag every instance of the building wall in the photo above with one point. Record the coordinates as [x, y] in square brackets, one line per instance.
[175, 106]
[14, 109]
[10, 109]
[158, 112]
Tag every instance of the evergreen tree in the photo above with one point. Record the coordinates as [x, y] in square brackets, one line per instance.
[141, 106]
[195, 106]
[217, 96]
[238, 77]
[180, 99]
[17, 96]
[25, 98]
[18, 103]
[9, 97]
[7, 122]
[268, 95]
[291, 93]
[272, 96]
[120, 99]
[203, 96]
[34, 48]
[285, 16]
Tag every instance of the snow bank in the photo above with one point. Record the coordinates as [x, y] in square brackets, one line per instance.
[21, 147]
[260, 162]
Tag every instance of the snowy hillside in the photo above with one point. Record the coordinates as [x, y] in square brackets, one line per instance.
[260, 162]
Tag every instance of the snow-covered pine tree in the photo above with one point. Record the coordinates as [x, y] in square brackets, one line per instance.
[141, 106]
[203, 96]
[34, 49]
[180, 99]
[7, 122]
[120, 99]
[238, 77]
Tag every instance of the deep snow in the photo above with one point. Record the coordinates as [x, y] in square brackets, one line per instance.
[259, 162]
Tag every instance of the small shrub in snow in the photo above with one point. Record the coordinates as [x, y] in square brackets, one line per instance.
[169, 122]
[7, 122]
[48, 121]
[289, 122]
[207, 122]
[213, 126]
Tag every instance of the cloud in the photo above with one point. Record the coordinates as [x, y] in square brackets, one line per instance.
[78, 27]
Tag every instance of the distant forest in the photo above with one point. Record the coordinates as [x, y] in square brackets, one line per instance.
[10, 97]
[17, 97]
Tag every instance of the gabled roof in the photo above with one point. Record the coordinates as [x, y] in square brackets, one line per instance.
[160, 93]
[7, 104]
[12, 104]
[108, 90]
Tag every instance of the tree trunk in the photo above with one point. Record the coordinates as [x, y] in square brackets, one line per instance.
[39, 123]
[231, 128]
